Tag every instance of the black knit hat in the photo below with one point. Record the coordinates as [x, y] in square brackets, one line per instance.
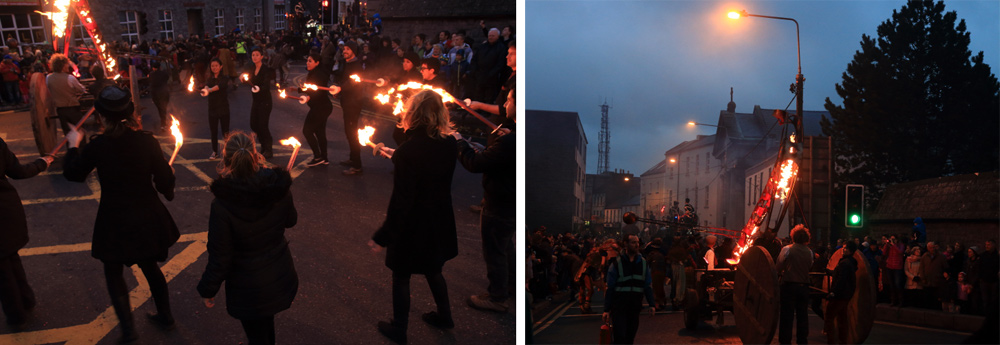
[412, 56]
[114, 103]
[353, 45]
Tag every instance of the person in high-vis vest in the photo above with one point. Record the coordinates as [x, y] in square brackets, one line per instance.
[628, 282]
[241, 52]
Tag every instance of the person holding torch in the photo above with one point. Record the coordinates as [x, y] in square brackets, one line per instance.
[247, 248]
[352, 97]
[320, 108]
[419, 230]
[133, 227]
[218, 104]
[260, 78]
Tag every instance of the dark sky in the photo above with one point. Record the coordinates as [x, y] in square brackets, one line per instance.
[661, 64]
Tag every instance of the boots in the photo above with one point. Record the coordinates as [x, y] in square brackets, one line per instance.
[124, 312]
[163, 317]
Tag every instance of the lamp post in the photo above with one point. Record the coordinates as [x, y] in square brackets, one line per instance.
[799, 79]
[692, 124]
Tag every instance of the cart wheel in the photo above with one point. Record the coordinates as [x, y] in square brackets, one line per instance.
[691, 309]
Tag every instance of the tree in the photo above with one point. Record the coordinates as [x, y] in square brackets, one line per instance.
[916, 105]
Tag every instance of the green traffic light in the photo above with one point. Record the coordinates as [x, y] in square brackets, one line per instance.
[855, 219]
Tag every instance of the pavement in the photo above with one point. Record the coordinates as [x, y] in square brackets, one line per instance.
[557, 319]
[344, 287]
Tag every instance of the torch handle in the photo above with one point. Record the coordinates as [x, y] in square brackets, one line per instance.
[76, 128]
[480, 117]
[174, 155]
[291, 161]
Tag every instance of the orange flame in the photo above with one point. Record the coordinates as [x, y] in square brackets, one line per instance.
[191, 84]
[58, 18]
[246, 77]
[281, 93]
[291, 141]
[365, 135]
[310, 86]
[399, 105]
[355, 78]
[175, 130]
[788, 170]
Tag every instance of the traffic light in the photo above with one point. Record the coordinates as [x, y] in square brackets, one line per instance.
[143, 24]
[854, 215]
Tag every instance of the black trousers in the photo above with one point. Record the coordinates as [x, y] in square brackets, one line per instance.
[15, 294]
[314, 129]
[161, 101]
[119, 291]
[260, 117]
[498, 251]
[68, 117]
[401, 296]
[794, 304]
[625, 323]
[259, 331]
[352, 111]
[215, 118]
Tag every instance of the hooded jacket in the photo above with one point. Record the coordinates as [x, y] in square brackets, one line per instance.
[247, 247]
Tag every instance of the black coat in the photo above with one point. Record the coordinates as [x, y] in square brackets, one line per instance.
[132, 224]
[419, 229]
[263, 81]
[844, 278]
[247, 247]
[13, 224]
[498, 164]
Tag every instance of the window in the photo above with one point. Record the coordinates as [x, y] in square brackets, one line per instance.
[706, 197]
[749, 193]
[129, 28]
[257, 20]
[80, 35]
[239, 19]
[220, 21]
[279, 17]
[27, 28]
[166, 24]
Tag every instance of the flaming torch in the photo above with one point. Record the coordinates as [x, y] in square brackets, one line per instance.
[295, 149]
[378, 82]
[281, 94]
[59, 18]
[246, 77]
[445, 97]
[178, 138]
[365, 135]
[334, 89]
[191, 84]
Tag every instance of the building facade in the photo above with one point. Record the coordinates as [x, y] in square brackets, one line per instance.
[556, 177]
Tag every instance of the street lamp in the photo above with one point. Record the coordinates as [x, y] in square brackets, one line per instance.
[799, 79]
[692, 124]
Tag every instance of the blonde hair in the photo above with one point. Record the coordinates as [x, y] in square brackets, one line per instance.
[427, 109]
[58, 62]
[240, 159]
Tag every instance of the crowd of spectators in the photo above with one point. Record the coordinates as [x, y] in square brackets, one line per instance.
[909, 272]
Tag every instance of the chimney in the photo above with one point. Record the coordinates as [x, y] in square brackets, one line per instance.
[731, 107]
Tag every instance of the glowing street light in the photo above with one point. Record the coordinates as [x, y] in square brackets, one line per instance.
[692, 124]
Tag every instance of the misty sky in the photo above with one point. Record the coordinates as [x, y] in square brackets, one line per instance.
[663, 63]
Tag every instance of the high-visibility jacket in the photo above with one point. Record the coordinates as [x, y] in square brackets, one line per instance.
[241, 48]
[634, 281]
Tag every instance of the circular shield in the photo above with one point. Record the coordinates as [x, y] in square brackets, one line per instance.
[861, 309]
[756, 302]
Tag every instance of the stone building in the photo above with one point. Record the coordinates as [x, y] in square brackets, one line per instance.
[556, 173]
[404, 18]
[963, 208]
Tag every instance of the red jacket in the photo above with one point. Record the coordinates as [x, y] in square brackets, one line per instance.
[10, 71]
[894, 255]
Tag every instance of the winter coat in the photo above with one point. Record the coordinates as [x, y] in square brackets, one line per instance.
[912, 270]
[498, 164]
[247, 247]
[844, 278]
[132, 224]
[932, 268]
[419, 229]
[14, 227]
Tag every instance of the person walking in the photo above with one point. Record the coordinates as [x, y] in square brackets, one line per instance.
[419, 231]
[132, 227]
[16, 296]
[793, 265]
[65, 91]
[629, 279]
[247, 248]
[260, 78]
[160, 93]
[497, 163]
[218, 104]
[841, 290]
